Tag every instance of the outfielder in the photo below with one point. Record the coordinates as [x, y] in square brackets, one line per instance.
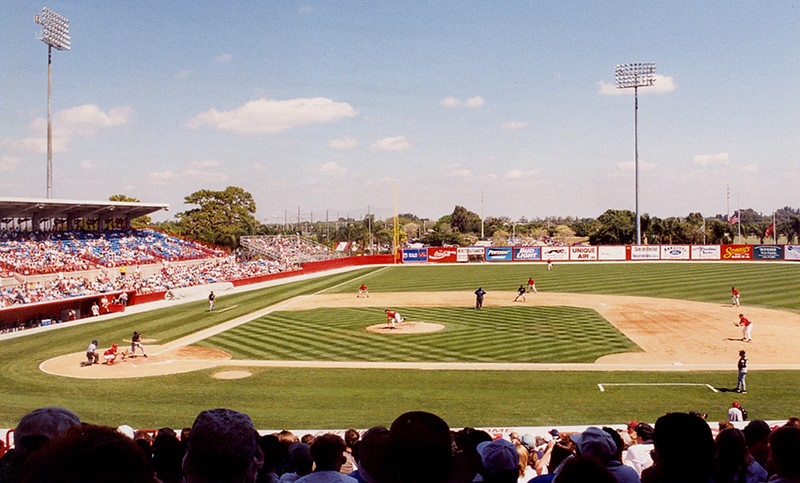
[393, 317]
[747, 327]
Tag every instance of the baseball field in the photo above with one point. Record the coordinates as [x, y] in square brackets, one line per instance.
[601, 343]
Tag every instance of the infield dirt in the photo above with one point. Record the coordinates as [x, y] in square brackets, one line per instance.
[673, 335]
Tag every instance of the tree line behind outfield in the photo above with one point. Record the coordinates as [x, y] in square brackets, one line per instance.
[222, 217]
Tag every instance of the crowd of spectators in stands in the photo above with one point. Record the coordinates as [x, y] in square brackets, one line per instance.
[43, 252]
[61, 254]
[223, 445]
[295, 249]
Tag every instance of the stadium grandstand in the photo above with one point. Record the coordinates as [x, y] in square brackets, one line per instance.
[58, 256]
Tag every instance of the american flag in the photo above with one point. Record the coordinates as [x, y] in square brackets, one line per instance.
[770, 229]
[734, 219]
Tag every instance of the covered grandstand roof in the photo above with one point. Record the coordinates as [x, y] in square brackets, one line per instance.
[52, 209]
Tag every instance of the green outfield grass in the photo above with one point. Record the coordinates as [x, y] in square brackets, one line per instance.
[337, 398]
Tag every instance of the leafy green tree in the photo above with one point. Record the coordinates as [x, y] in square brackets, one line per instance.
[140, 222]
[464, 221]
[614, 227]
[221, 217]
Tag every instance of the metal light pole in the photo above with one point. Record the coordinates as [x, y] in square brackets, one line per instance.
[641, 74]
[55, 33]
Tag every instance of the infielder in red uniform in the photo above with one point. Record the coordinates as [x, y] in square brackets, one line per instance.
[734, 296]
[747, 328]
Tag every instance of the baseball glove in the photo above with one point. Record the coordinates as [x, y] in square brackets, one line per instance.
[736, 324]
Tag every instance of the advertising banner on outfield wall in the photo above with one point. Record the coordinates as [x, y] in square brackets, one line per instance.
[675, 252]
[768, 252]
[462, 254]
[644, 252]
[791, 252]
[411, 255]
[583, 253]
[442, 254]
[611, 252]
[737, 252]
[555, 253]
[706, 252]
[498, 254]
[527, 254]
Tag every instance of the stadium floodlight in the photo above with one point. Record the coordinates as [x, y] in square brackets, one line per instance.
[640, 74]
[55, 33]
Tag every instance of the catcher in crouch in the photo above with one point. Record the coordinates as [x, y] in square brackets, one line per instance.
[393, 317]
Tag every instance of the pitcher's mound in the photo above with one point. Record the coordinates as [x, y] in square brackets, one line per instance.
[405, 328]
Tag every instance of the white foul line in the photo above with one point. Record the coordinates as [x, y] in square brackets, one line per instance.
[603, 386]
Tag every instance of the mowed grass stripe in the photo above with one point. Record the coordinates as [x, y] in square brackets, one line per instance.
[759, 282]
[495, 334]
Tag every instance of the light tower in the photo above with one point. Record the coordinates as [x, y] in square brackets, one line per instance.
[641, 74]
[55, 33]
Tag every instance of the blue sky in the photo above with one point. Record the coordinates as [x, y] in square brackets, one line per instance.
[335, 108]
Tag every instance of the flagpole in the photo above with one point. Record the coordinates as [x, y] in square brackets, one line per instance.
[740, 224]
[774, 229]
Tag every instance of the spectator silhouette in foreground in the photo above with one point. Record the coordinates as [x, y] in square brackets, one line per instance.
[499, 461]
[327, 450]
[273, 450]
[583, 469]
[168, 453]
[467, 460]
[89, 453]
[756, 435]
[300, 462]
[223, 447]
[732, 462]
[421, 448]
[35, 431]
[684, 450]
[372, 454]
[600, 444]
[784, 453]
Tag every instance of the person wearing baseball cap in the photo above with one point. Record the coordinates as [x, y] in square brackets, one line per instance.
[223, 447]
[599, 444]
[499, 461]
[741, 386]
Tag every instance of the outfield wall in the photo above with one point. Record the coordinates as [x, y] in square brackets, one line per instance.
[581, 253]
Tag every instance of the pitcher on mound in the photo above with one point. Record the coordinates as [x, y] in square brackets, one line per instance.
[393, 318]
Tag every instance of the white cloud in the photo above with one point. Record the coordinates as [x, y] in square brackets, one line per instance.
[85, 120]
[347, 142]
[268, 116]
[718, 159]
[452, 102]
[750, 168]
[456, 170]
[518, 174]
[222, 58]
[395, 143]
[475, 101]
[87, 164]
[8, 163]
[514, 125]
[331, 168]
[662, 84]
